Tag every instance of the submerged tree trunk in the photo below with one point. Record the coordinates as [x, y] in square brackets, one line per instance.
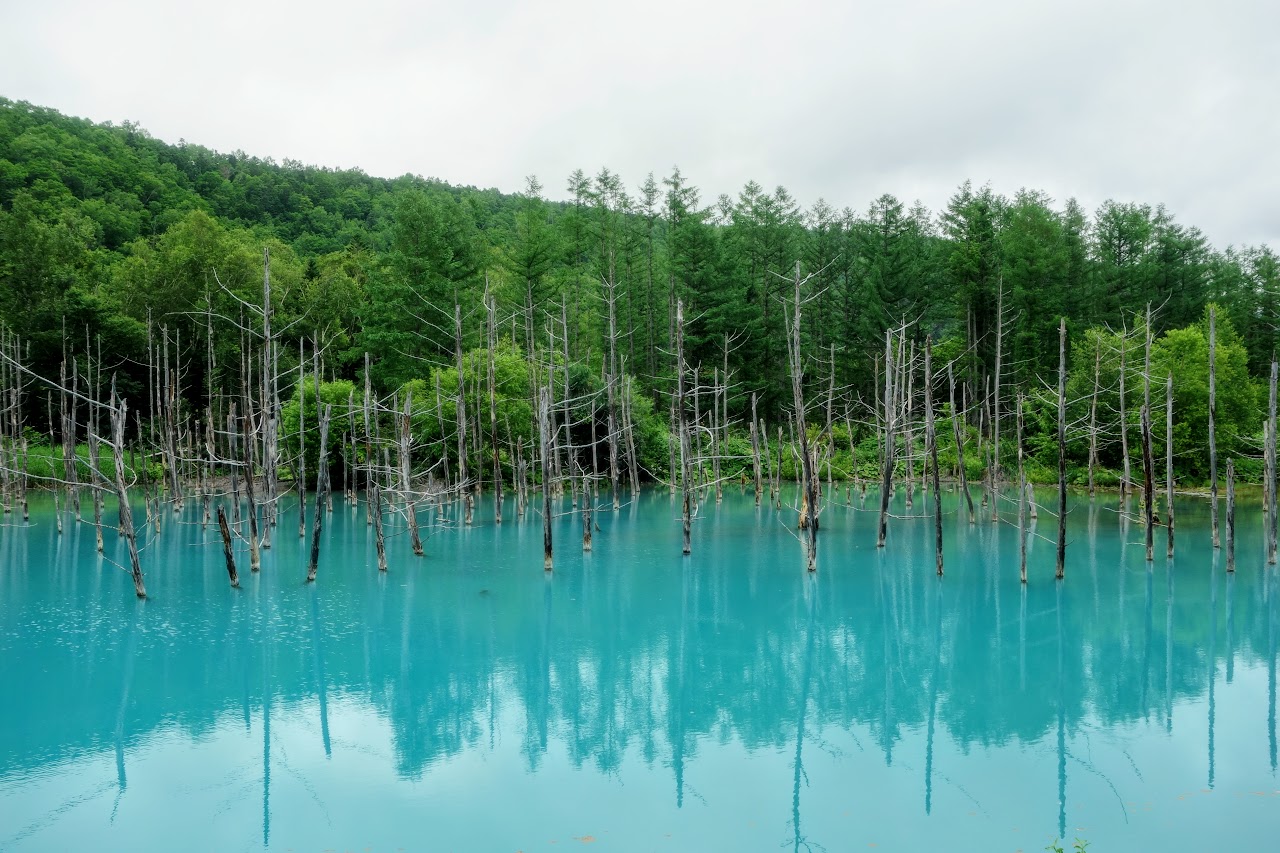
[1231, 516]
[119, 412]
[1062, 448]
[1022, 501]
[1148, 461]
[886, 479]
[1271, 515]
[227, 552]
[1213, 409]
[682, 430]
[931, 439]
[809, 503]
[1093, 413]
[755, 450]
[1125, 479]
[958, 429]
[1168, 468]
[544, 430]
[322, 476]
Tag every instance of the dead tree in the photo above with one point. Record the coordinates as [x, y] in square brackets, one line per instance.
[1022, 501]
[1213, 410]
[1062, 448]
[755, 450]
[1148, 461]
[1270, 491]
[1231, 516]
[931, 440]
[493, 414]
[462, 418]
[227, 552]
[682, 430]
[119, 416]
[958, 429]
[322, 475]
[302, 442]
[1168, 455]
[809, 502]
[544, 435]
[995, 404]
[1126, 479]
[1093, 412]
[406, 474]
[886, 480]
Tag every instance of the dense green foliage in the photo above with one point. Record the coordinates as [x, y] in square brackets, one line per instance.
[104, 229]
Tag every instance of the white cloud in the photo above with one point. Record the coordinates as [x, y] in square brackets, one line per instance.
[1140, 100]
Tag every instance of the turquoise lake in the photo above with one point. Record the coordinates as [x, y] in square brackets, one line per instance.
[635, 699]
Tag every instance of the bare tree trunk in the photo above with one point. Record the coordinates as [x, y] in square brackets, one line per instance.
[1148, 461]
[886, 479]
[995, 404]
[1062, 448]
[586, 515]
[118, 417]
[406, 474]
[493, 414]
[682, 428]
[227, 551]
[809, 504]
[1271, 466]
[1168, 449]
[1093, 413]
[715, 431]
[322, 475]
[763, 432]
[544, 430]
[1231, 516]
[302, 440]
[373, 508]
[232, 455]
[255, 558]
[633, 463]
[755, 450]
[908, 430]
[1213, 410]
[931, 439]
[462, 418]
[1022, 501]
[958, 430]
[1125, 479]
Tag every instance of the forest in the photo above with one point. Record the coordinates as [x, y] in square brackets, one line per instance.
[114, 245]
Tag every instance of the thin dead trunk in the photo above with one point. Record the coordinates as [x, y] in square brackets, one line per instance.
[886, 479]
[119, 413]
[957, 428]
[1093, 413]
[1168, 466]
[227, 552]
[1062, 448]
[1213, 410]
[1022, 501]
[1231, 516]
[682, 429]
[544, 430]
[322, 475]
[1148, 461]
[931, 439]
[755, 450]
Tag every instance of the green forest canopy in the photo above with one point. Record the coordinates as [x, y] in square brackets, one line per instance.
[104, 228]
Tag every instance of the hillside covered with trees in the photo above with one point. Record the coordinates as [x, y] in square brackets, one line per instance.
[107, 235]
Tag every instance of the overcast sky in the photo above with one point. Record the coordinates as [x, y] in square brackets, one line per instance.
[1137, 100]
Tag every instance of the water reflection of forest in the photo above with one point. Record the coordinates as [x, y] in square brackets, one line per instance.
[606, 662]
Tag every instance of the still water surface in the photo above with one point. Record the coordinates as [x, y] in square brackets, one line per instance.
[638, 700]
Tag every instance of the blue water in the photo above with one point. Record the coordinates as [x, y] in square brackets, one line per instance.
[636, 699]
